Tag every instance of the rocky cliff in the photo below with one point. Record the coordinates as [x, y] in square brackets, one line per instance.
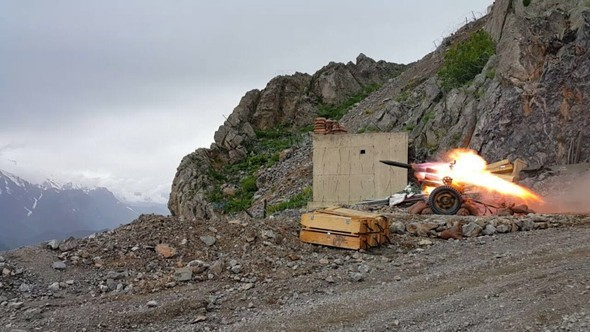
[287, 102]
[527, 99]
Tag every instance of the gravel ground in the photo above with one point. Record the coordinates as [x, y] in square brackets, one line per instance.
[537, 280]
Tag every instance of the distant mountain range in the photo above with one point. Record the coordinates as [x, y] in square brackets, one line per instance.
[30, 213]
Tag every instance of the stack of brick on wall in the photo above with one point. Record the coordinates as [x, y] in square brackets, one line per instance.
[323, 126]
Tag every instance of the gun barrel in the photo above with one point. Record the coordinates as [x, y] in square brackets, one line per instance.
[397, 164]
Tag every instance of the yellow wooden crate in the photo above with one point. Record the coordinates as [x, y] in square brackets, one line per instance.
[344, 228]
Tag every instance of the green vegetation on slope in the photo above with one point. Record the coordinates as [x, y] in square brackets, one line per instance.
[336, 112]
[264, 152]
[297, 201]
[465, 60]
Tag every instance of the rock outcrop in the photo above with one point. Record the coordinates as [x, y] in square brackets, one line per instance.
[291, 101]
[529, 101]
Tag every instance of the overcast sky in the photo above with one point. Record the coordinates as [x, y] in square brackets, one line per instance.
[115, 93]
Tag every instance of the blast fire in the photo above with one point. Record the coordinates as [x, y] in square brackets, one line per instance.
[467, 170]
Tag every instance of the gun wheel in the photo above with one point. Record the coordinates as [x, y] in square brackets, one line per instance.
[445, 200]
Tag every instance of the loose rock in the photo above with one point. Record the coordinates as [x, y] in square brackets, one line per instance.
[165, 250]
[59, 265]
[472, 229]
[208, 240]
[489, 230]
[183, 274]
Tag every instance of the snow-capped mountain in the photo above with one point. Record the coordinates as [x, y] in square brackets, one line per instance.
[30, 213]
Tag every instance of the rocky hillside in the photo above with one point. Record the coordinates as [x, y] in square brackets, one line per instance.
[529, 100]
[266, 122]
[511, 84]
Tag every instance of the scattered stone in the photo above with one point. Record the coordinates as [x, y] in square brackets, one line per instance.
[503, 228]
[527, 225]
[268, 234]
[59, 265]
[208, 240]
[116, 275]
[165, 250]
[324, 261]
[6, 272]
[54, 287]
[69, 282]
[24, 288]
[247, 286]
[472, 229]
[489, 230]
[364, 268]
[2, 259]
[183, 274]
[196, 263]
[425, 242]
[183, 242]
[70, 244]
[397, 278]
[398, 227]
[198, 319]
[16, 305]
[217, 267]
[357, 277]
[152, 303]
[236, 269]
[53, 244]
[330, 279]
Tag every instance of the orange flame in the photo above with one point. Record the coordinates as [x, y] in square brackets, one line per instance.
[466, 167]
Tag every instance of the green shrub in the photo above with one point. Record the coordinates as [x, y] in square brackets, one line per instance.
[297, 201]
[465, 60]
[409, 128]
[249, 184]
[526, 3]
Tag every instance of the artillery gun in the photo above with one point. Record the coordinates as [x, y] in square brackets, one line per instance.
[444, 195]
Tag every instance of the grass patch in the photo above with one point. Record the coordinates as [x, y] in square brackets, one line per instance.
[409, 128]
[295, 202]
[526, 3]
[465, 60]
[336, 112]
[403, 96]
[428, 116]
[264, 152]
[490, 74]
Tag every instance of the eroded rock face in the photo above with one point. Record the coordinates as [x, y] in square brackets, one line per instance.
[292, 101]
[530, 100]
